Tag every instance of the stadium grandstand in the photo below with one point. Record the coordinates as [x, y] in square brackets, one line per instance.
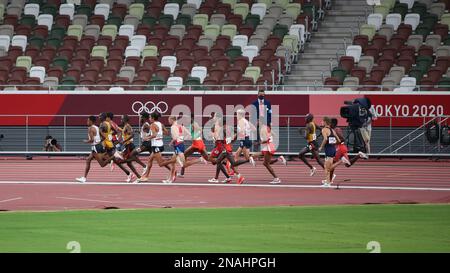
[246, 45]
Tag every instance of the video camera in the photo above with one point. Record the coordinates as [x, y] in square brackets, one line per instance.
[356, 112]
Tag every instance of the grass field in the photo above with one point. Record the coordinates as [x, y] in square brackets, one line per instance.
[398, 228]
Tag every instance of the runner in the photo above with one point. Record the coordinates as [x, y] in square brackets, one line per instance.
[178, 133]
[157, 130]
[129, 147]
[225, 132]
[342, 149]
[98, 152]
[330, 140]
[197, 146]
[244, 130]
[268, 151]
[311, 147]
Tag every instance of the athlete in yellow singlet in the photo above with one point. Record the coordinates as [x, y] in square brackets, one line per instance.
[312, 146]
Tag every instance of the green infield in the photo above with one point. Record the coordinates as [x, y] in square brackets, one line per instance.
[397, 228]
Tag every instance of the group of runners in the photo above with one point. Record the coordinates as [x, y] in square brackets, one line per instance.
[113, 145]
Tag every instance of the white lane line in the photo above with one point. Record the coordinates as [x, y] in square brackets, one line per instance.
[9, 200]
[226, 185]
[83, 199]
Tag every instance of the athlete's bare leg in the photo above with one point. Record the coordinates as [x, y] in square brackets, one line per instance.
[268, 162]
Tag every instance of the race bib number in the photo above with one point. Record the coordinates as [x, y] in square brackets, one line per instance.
[332, 140]
[228, 140]
[180, 139]
[110, 137]
[156, 150]
[314, 136]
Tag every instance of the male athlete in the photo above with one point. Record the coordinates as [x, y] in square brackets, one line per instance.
[312, 146]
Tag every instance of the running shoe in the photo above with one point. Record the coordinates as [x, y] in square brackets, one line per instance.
[227, 180]
[111, 166]
[241, 179]
[213, 180]
[332, 180]
[363, 155]
[283, 160]
[252, 161]
[345, 161]
[142, 179]
[131, 177]
[325, 184]
[313, 171]
[167, 181]
[180, 175]
[81, 179]
[275, 181]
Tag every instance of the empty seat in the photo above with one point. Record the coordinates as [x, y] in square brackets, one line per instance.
[67, 9]
[387, 30]
[250, 51]
[138, 41]
[19, 40]
[217, 19]
[412, 19]
[415, 41]
[443, 51]
[5, 41]
[102, 9]
[212, 31]
[229, 30]
[45, 20]
[132, 51]
[136, 9]
[75, 30]
[170, 62]
[24, 61]
[394, 19]
[434, 41]
[368, 30]
[259, 9]
[375, 19]
[240, 41]
[110, 30]
[126, 30]
[178, 30]
[437, 9]
[80, 19]
[410, 3]
[175, 83]
[127, 72]
[293, 9]
[31, 9]
[172, 9]
[354, 51]
[199, 72]
[38, 72]
[407, 84]
[189, 10]
[201, 20]
[241, 9]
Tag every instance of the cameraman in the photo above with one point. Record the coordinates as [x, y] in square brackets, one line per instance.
[366, 129]
[51, 145]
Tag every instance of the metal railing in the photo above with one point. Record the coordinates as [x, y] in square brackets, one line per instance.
[70, 132]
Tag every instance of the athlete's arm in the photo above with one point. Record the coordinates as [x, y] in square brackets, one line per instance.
[308, 130]
[103, 131]
[91, 134]
[165, 131]
[325, 138]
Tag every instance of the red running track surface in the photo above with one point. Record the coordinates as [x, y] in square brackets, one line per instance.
[49, 184]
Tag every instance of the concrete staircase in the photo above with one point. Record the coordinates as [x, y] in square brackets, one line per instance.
[343, 18]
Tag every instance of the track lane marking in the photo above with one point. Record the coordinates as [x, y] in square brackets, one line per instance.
[225, 185]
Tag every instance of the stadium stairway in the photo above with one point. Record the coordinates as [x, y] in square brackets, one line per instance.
[328, 41]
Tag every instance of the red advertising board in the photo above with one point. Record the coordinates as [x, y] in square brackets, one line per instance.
[50, 106]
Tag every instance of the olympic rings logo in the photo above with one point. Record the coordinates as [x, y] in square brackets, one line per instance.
[149, 107]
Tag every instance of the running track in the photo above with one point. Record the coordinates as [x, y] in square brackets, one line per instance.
[48, 184]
